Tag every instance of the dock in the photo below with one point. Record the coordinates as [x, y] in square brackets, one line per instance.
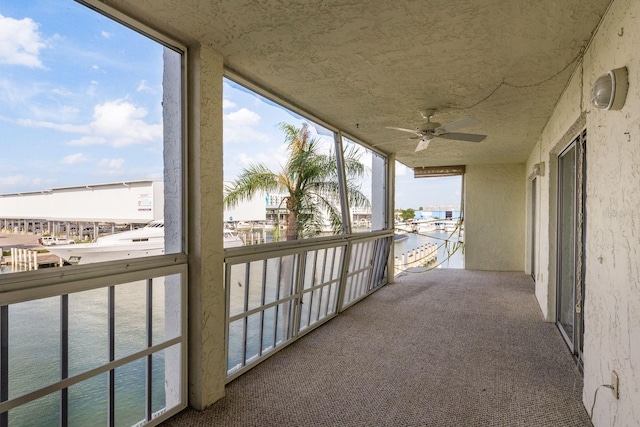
[22, 252]
[418, 257]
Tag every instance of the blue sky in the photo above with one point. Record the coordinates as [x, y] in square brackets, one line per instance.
[80, 99]
[80, 96]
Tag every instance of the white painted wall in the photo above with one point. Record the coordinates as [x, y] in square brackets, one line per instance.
[249, 210]
[612, 258]
[494, 217]
[138, 201]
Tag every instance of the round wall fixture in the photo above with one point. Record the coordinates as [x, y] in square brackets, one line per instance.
[610, 90]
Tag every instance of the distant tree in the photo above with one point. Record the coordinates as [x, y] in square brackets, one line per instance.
[309, 182]
[420, 208]
[407, 214]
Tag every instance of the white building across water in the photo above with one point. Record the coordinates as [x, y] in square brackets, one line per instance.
[82, 210]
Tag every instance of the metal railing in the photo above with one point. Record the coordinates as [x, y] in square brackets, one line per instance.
[96, 344]
[277, 292]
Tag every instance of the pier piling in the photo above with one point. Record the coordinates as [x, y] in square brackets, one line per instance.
[418, 257]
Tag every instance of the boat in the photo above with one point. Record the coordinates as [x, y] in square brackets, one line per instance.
[450, 226]
[142, 242]
[426, 226]
[52, 241]
[400, 237]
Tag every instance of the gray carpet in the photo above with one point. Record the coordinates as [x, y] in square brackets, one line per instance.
[444, 348]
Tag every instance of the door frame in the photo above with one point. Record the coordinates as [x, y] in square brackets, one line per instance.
[576, 340]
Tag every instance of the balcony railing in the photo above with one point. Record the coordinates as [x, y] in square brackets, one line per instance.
[276, 293]
[101, 344]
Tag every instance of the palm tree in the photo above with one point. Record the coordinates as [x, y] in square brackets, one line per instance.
[309, 181]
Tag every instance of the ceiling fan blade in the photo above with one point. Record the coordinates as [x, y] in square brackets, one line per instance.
[404, 130]
[469, 121]
[469, 137]
[422, 145]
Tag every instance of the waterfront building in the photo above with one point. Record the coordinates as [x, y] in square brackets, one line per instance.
[83, 211]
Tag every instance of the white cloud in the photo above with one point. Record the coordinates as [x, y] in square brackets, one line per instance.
[63, 113]
[13, 180]
[242, 117]
[272, 159]
[111, 163]
[238, 127]
[87, 140]
[121, 122]
[401, 170]
[117, 123]
[17, 93]
[73, 159]
[105, 34]
[61, 91]
[95, 68]
[63, 127]
[91, 89]
[20, 42]
[226, 104]
[110, 167]
[144, 87]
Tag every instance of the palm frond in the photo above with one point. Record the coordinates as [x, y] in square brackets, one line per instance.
[253, 179]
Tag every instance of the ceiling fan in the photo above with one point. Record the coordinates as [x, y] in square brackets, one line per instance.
[430, 130]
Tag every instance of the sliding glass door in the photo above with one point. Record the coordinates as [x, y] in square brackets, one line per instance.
[534, 209]
[570, 277]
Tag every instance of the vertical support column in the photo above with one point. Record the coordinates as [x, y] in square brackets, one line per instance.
[390, 193]
[174, 224]
[111, 382]
[342, 179]
[4, 362]
[64, 358]
[207, 361]
[149, 361]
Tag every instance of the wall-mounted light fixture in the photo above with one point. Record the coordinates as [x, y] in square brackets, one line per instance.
[538, 169]
[610, 90]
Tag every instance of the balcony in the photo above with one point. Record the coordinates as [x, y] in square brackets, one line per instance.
[447, 347]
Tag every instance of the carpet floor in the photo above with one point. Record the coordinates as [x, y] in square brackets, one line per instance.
[443, 348]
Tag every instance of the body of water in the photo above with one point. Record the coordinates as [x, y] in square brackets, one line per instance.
[445, 260]
[34, 356]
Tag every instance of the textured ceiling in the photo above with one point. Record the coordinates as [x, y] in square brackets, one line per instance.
[366, 65]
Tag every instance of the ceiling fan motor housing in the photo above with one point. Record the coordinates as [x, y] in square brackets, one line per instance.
[428, 127]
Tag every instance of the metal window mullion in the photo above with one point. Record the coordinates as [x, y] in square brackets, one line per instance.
[4, 362]
[342, 184]
[343, 277]
[324, 269]
[111, 404]
[363, 276]
[245, 322]
[378, 249]
[277, 307]
[372, 264]
[356, 266]
[262, 303]
[64, 358]
[313, 284]
[227, 314]
[149, 358]
[333, 261]
[298, 285]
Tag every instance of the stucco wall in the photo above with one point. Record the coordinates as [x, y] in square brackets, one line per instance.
[207, 359]
[612, 258]
[494, 217]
